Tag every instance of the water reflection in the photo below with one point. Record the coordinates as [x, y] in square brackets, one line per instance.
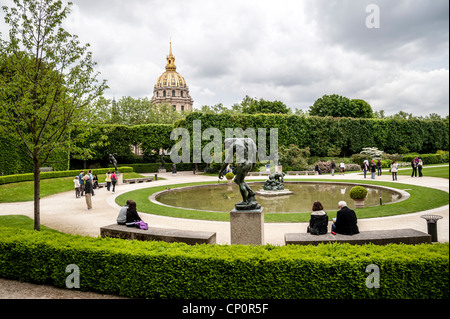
[223, 197]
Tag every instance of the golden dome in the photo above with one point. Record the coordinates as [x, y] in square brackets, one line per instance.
[171, 78]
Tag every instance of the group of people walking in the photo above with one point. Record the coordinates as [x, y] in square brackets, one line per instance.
[345, 222]
[85, 185]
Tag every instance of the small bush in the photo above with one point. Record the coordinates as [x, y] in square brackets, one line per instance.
[358, 192]
[229, 175]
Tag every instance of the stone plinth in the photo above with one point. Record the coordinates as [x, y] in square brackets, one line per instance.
[247, 227]
[283, 192]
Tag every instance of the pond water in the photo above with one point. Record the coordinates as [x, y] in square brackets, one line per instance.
[223, 197]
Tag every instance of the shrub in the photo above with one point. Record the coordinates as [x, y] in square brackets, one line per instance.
[229, 175]
[45, 175]
[358, 192]
[426, 158]
[161, 270]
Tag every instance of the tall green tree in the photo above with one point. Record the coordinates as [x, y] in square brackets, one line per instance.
[50, 78]
[253, 106]
[339, 106]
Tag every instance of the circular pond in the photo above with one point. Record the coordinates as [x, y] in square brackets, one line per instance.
[223, 197]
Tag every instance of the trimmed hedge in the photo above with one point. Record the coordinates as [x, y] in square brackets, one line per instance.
[426, 158]
[321, 134]
[176, 270]
[45, 175]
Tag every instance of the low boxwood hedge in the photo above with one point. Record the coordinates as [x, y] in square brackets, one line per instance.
[44, 175]
[176, 270]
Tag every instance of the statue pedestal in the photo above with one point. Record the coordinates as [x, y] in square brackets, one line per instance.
[247, 227]
[119, 178]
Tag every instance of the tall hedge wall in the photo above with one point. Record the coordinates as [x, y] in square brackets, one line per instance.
[318, 133]
[351, 135]
[162, 270]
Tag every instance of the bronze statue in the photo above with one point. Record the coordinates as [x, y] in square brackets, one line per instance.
[245, 149]
[113, 160]
[275, 182]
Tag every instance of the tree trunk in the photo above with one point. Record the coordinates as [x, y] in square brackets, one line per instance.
[37, 194]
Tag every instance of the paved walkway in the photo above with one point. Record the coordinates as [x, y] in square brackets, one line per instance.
[68, 214]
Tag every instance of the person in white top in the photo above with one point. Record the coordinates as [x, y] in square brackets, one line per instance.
[394, 170]
[342, 168]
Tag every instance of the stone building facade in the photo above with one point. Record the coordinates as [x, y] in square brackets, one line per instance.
[171, 87]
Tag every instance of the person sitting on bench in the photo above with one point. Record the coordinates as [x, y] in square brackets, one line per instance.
[346, 220]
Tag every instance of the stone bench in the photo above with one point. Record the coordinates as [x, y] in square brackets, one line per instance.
[189, 237]
[377, 237]
[138, 180]
[301, 173]
[255, 173]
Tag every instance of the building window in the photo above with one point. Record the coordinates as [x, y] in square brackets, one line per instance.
[174, 107]
[164, 93]
[181, 93]
[182, 107]
[157, 94]
[173, 92]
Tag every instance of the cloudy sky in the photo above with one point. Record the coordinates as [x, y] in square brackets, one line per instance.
[292, 51]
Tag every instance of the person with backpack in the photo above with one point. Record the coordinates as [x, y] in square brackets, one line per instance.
[113, 181]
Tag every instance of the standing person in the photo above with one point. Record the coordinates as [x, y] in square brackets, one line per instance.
[342, 168]
[373, 168]
[91, 179]
[113, 181]
[420, 166]
[346, 221]
[333, 167]
[81, 181]
[76, 182]
[88, 192]
[174, 169]
[318, 224]
[414, 168]
[379, 167]
[394, 170]
[365, 167]
[108, 180]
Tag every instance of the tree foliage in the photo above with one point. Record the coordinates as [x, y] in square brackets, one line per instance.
[339, 106]
[47, 79]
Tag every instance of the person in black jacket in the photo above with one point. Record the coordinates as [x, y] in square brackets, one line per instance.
[318, 224]
[132, 215]
[346, 221]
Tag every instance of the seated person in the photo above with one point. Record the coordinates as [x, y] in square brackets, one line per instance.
[132, 215]
[346, 220]
[122, 218]
[318, 224]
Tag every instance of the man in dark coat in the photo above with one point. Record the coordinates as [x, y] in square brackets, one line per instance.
[345, 220]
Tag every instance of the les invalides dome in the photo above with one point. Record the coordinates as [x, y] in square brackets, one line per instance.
[171, 87]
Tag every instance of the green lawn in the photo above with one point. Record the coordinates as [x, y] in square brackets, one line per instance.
[22, 222]
[422, 198]
[23, 191]
[431, 171]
